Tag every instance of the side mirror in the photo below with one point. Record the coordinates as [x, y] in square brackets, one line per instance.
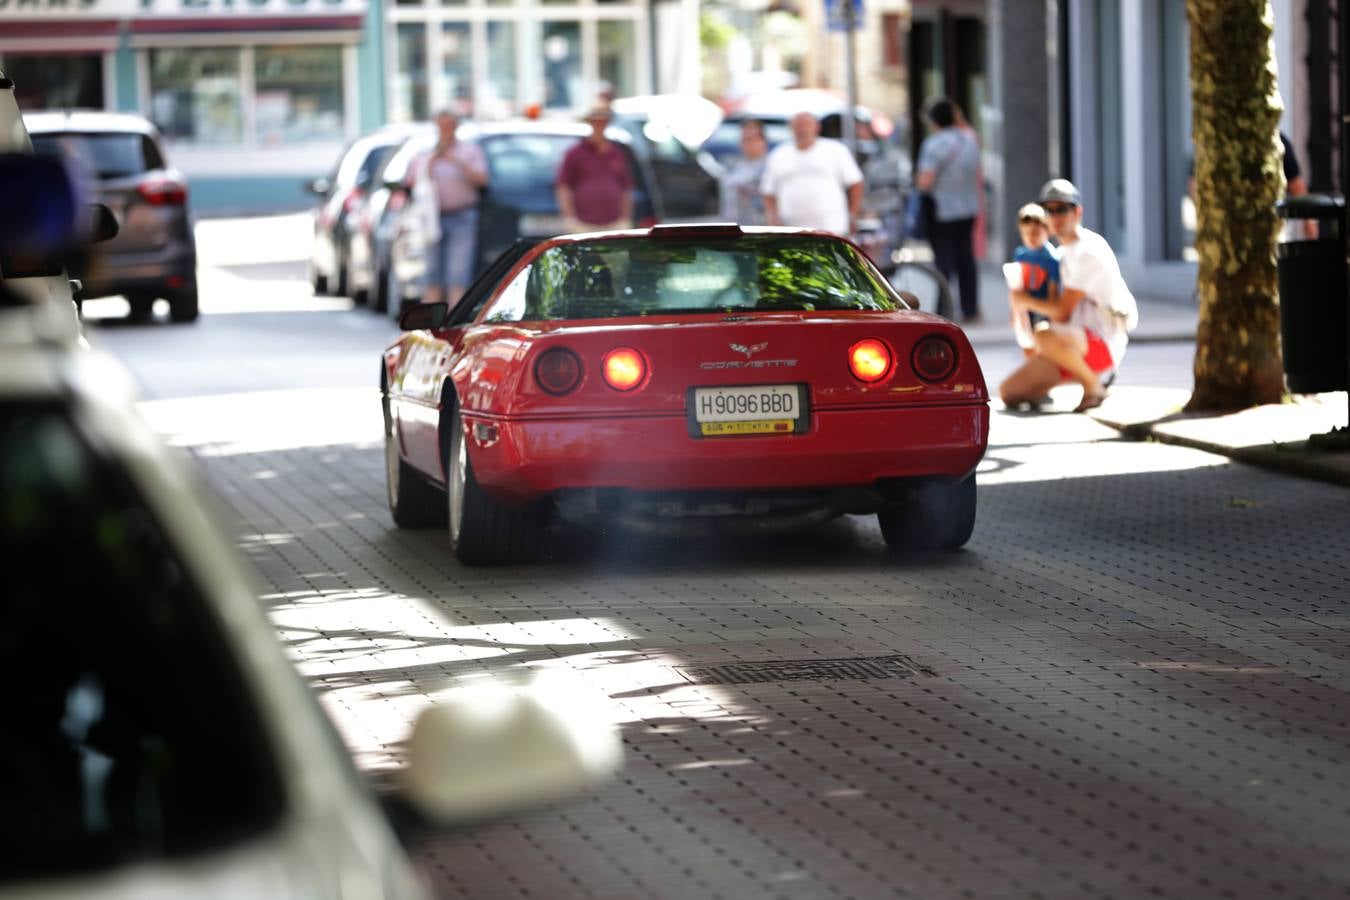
[319, 187]
[495, 751]
[424, 317]
[103, 224]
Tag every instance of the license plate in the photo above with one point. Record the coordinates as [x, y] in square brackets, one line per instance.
[545, 226]
[749, 409]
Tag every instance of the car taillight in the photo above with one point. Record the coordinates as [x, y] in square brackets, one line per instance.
[397, 200]
[869, 360]
[163, 192]
[624, 368]
[558, 371]
[646, 222]
[934, 358]
[353, 201]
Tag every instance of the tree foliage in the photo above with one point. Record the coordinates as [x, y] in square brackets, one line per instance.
[1238, 180]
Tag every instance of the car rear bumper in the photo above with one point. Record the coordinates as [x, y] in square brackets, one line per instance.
[522, 460]
[156, 272]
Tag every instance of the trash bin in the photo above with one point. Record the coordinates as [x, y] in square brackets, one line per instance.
[1311, 272]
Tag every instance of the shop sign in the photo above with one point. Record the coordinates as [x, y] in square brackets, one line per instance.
[250, 8]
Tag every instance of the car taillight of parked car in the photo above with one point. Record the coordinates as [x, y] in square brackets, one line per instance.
[163, 192]
[353, 200]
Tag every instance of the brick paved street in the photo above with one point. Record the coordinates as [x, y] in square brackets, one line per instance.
[1132, 683]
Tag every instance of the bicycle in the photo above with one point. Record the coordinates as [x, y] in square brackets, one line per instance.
[922, 281]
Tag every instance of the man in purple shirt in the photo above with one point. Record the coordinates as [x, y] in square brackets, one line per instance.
[595, 184]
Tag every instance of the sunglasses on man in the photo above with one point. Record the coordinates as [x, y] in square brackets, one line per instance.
[1057, 209]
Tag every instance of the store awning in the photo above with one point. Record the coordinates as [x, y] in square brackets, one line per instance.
[48, 36]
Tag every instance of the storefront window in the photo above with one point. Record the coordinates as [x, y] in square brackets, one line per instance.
[298, 94]
[410, 91]
[618, 56]
[195, 94]
[457, 66]
[562, 66]
[499, 95]
[55, 82]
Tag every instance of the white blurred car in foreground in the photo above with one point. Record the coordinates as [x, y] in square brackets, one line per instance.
[158, 743]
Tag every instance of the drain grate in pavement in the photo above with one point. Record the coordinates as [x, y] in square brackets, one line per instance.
[862, 669]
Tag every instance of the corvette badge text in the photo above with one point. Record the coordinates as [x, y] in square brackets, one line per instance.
[749, 364]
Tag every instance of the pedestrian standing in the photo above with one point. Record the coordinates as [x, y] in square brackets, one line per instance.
[812, 182]
[453, 173]
[740, 198]
[594, 185]
[949, 171]
[1090, 322]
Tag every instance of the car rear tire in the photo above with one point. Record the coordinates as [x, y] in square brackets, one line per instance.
[142, 307]
[484, 532]
[184, 305]
[935, 515]
[414, 502]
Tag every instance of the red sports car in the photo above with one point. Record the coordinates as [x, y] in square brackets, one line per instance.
[641, 379]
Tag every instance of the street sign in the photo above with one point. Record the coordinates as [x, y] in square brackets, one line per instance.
[837, 15]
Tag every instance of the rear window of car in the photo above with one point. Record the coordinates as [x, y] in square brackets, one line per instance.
[129, 732]
[528, 163]
[622, 277]
[104, 155]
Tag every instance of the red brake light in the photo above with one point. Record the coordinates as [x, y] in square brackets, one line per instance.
[558, 371]
[646, 222]
[353, 201]
[869, 360]
[163, 192]
[934, 358]
[624, 368]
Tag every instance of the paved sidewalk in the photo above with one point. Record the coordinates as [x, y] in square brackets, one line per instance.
[1274, 436]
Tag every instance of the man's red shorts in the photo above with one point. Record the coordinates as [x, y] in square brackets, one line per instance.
[1098, 356]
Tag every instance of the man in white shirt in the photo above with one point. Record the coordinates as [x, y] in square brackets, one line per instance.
[1090, 321]
[812, 182]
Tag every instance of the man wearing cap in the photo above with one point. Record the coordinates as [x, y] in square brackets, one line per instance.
[594, 185]
[1089, 322]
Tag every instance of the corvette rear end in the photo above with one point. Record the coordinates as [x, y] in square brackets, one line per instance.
[756, 380]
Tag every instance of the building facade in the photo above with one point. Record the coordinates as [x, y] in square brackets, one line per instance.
[1110, 108]
[254, 97]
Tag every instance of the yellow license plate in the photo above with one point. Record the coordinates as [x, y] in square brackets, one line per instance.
[722, 429]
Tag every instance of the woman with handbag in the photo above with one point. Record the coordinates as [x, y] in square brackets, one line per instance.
[948, 180]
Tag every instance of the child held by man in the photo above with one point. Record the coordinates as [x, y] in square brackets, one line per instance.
[1034, 269]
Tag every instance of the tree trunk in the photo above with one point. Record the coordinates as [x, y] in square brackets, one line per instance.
[1239, 177]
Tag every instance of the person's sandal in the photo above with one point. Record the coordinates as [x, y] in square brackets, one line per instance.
[1090, 401]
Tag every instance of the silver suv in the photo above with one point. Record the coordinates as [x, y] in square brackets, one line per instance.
[154, 255]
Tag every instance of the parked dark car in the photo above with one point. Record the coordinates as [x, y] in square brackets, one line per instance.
[666, 131]
[122, 160]
[342, 197]
[519, 202]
